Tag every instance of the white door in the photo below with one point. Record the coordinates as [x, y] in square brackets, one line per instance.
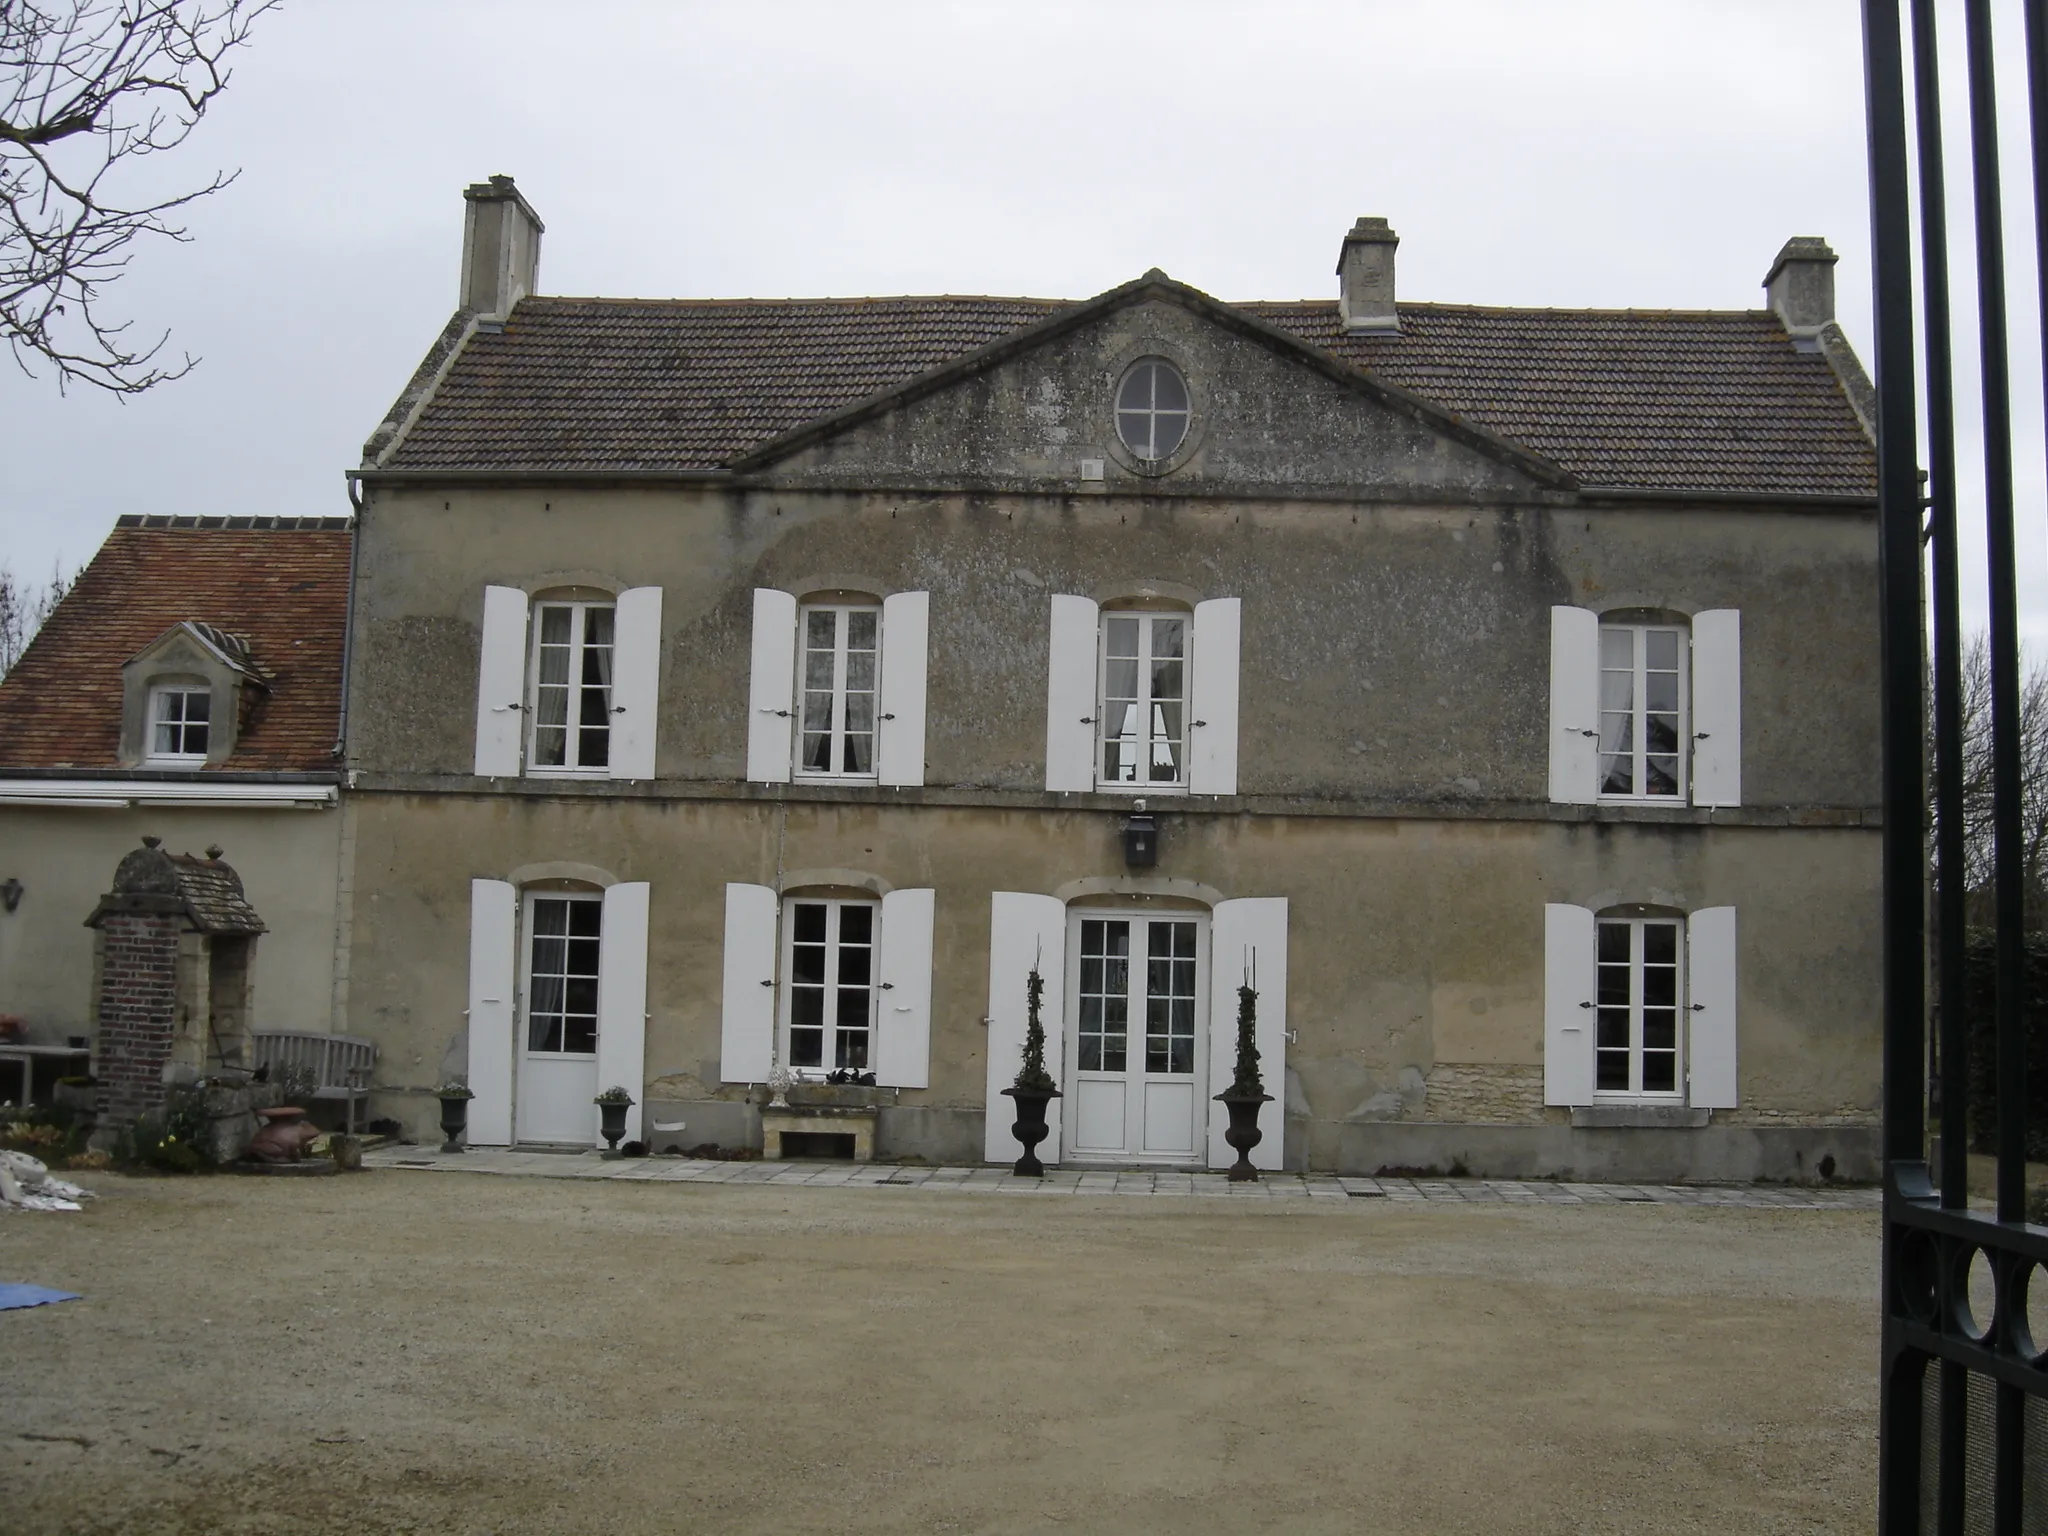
[1137, 1005]
[558, 1059]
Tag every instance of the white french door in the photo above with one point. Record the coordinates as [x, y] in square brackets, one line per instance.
[1137, 1037]
[558, 1067]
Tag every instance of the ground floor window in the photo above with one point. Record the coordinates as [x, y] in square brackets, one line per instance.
[1637, 1049]
[562, 961]
[829, 961]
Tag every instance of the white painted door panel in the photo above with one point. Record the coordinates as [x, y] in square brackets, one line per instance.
[899, 751]
[1570, 978]
[622, 999]
[746, 1034]
[493, 939]
[501, 686]
[1024, 930]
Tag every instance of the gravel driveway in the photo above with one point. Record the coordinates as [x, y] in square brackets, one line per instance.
[448, 1353]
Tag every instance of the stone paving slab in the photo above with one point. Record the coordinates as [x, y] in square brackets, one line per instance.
[1156, 1183]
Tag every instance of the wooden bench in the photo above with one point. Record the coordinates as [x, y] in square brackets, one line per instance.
[340, 1065]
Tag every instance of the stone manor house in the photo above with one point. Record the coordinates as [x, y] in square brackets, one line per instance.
[734, 685]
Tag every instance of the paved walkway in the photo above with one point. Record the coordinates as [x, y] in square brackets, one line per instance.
[1072, 1181]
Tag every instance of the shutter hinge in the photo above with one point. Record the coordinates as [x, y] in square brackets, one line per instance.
[1699, 1007]
[1585, 732]
[888, 717]
[888, 986]
[1588, 1005]
[618, 709]
[1201, 722]
[767, 983]
[1087, 719]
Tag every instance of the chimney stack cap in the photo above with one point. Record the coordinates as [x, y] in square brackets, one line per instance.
[1365, 274]
[500, 248]
[1801, 286]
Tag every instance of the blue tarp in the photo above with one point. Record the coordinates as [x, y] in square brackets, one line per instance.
[12, 1296]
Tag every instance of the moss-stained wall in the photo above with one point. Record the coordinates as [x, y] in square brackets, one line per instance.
[1413, 945]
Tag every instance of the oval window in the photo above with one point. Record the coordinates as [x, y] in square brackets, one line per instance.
[1152, 409]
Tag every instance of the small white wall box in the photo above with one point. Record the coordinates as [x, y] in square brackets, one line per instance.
[1091, 469]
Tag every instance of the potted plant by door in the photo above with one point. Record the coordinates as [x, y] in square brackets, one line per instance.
[1034, 1088]
[454, 1099]
[612, 1105]
[1247, 1090]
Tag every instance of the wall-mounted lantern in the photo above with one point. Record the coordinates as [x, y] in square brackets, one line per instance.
[1141, 838]
[10, 892]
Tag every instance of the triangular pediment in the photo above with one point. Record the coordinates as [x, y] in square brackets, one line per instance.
[1270, 415]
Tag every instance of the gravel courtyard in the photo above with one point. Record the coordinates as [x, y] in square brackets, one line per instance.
[402, 1351]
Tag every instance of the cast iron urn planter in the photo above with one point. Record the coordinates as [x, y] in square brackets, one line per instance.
[454, 1117]
[1029, 1127]
[1244, 1132]
[611, 1108]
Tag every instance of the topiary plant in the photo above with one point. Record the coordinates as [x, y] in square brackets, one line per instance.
[1032, 1076]
[1247, 1083]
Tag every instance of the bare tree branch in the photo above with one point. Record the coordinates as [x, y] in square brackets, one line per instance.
[87, 88]
[1979, 859]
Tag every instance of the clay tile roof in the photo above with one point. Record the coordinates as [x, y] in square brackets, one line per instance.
[276, 586]
[1715, 401]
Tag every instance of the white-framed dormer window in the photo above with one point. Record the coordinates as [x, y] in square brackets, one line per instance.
[840, 662]
[1643, 734]
[1142, 715]
[830, 984]
[180, 723]
[571, 688]
[1639, 1008]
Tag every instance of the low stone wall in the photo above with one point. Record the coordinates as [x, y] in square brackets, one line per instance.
[1736, 1154]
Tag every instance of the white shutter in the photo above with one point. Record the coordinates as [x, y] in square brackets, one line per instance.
[899, 748]
[636, 683]
[1071, 704]
[771, 697]
[622, 998]
[1212, 737]
[501, 684]
[1244, 933]
[1717, 707]
[1570, 967]
[902, 1056]
[492, 938]
[1023, 930]
[746, 1031]
[1574, 706]
[1710, 983]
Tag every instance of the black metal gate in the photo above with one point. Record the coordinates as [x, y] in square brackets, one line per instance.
[1964, 1406]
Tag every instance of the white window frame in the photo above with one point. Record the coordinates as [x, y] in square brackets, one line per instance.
[579, 610]
[1150, 412]
[1147, 617]
[159, 695]
[1635, 1093]
[1682, 749]
[837, 731]
[828, 1052]
[529, 933]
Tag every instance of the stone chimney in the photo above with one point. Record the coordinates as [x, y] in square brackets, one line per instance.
[1801, 285]
[1365, 294]
[500, 247]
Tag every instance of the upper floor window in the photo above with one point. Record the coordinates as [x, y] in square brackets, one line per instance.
[1152, 409]
[572, 687]
[1636, 1049]
[1642, 710]
[180, 723]
[830, 966]
[841, 671]
[1646, 706]
[1143, 713]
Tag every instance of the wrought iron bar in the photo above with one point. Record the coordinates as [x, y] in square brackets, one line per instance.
[1931, 1241]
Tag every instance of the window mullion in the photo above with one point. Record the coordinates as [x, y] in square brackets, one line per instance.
[842, 632]
[1638, 947]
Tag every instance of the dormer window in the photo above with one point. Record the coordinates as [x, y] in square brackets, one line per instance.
[180, 720]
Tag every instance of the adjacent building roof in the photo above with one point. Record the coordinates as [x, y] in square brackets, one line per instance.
[1637, 399]
[274, 588]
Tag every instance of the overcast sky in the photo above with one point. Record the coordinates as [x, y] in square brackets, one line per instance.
[1572, 153]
